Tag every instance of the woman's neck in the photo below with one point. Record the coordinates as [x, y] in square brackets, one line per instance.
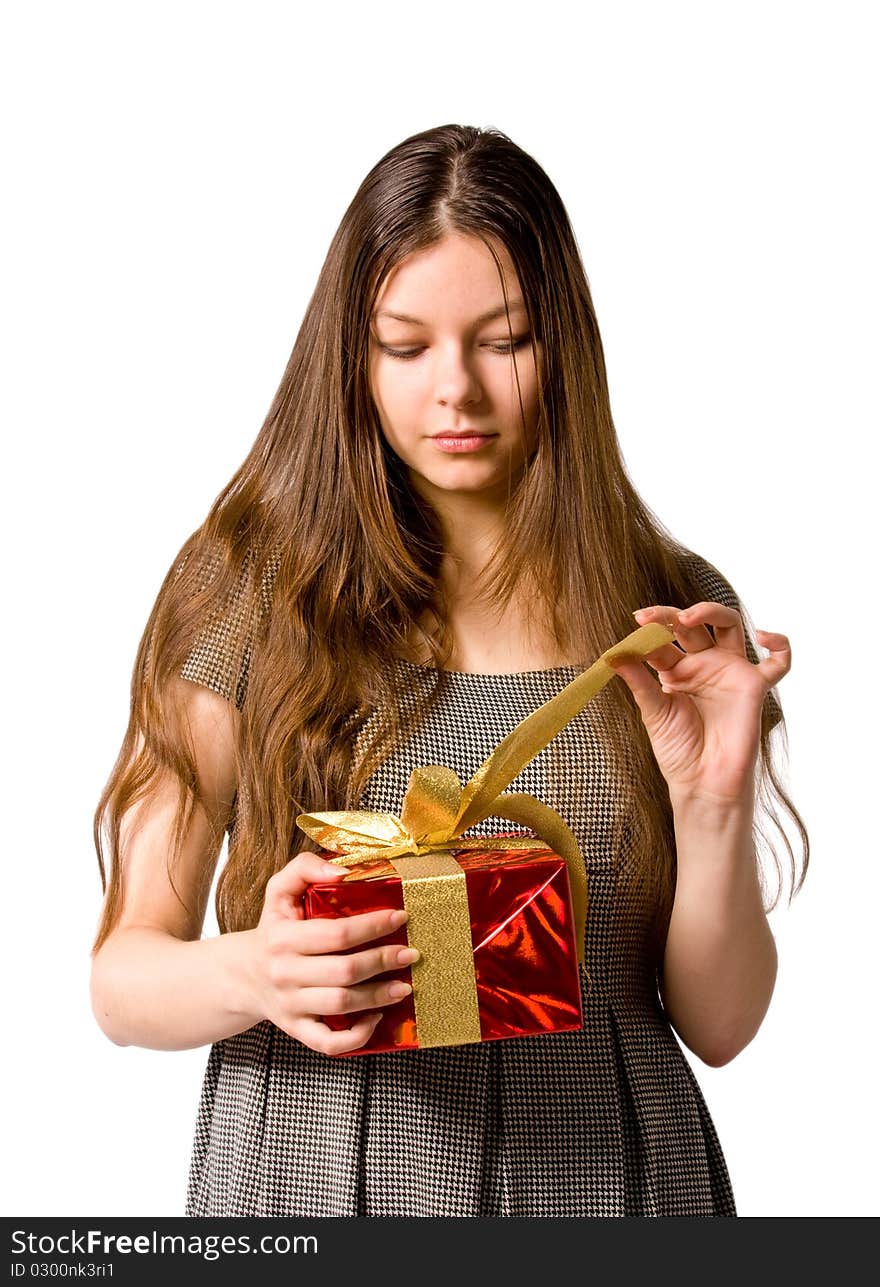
[486, 637]
[472, 528]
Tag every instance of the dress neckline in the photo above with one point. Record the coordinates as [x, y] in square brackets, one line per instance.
[496, 674]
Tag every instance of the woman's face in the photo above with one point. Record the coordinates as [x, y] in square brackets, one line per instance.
[443, 366]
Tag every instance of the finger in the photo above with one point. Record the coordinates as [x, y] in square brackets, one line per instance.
[690, 627]
[315, 1034]
[364, 996]
[665, 657]
[779, 662]
[285, 889]
[689, 639]
[649, 695]
[344, 971]
[326, 934]
[726, 623]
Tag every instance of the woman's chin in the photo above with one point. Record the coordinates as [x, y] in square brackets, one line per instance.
[461, 482]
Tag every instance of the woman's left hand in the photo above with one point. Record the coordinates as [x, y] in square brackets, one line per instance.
[702, 711]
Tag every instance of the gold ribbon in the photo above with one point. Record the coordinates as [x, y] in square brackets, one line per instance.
[436, 810]
[445, 985]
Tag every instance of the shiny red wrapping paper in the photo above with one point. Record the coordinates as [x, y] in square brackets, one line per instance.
[522, 933]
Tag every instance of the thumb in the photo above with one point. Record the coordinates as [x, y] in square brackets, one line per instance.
[649, 696]
[285, 889]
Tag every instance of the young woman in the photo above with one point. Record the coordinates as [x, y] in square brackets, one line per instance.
[433, 533]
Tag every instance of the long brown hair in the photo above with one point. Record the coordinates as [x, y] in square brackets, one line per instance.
[319, 561]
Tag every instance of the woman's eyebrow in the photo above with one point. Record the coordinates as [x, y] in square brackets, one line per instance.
[484, 317]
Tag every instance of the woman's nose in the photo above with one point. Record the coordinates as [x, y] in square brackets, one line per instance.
[456, 379]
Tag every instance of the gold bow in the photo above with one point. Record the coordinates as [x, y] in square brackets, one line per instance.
[437, 809]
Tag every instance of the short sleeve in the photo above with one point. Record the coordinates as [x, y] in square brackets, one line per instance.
[717, 588]
[221, 656]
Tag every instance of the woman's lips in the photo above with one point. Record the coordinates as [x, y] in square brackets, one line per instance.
[473, 442]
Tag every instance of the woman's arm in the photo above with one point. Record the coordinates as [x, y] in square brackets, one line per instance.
[154, 981]
[152, 989]
[719, 966]
[702, 709]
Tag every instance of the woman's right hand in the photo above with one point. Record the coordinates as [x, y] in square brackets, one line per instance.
[298, 966]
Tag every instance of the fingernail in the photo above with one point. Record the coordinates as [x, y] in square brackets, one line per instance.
[399, 989]
[398, 918]
[407, 955]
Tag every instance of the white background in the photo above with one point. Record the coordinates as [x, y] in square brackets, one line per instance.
[175, 173]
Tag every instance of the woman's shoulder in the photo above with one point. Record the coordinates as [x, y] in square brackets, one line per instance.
[221, 654]
[710, 580]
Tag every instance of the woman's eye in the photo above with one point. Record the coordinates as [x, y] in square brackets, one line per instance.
[406, 355]
[399, 353]
[504, 346]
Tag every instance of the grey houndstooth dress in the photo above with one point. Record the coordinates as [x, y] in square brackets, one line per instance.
[605, 1121]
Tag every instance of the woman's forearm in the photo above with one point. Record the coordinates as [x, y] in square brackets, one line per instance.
[151, 989]
[719, 966]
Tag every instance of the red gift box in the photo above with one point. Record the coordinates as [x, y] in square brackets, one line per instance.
[525, 955]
